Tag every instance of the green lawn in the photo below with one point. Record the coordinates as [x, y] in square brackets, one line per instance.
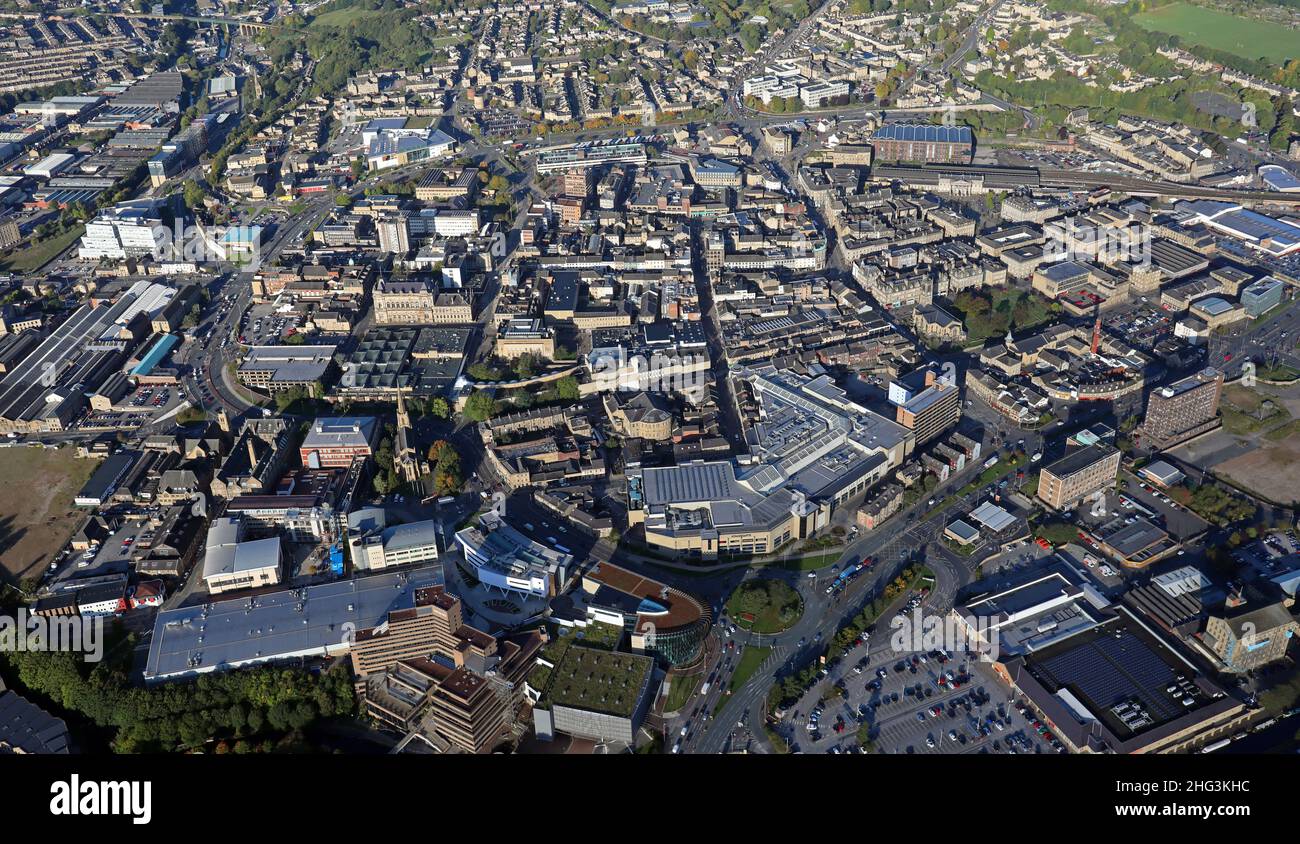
[681, 691]
[1285, 432]
[816, 561]
[341, 17]
[1245, 37]
[750, 660]
[1281, 372]
[1242, 408]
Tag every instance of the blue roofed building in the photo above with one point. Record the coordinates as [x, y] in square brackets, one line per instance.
[155, 355]
[923, 142]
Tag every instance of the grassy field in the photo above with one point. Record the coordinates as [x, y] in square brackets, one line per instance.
[1250, 39]
[1244, 413]
[341, 17]
[750, 660]
[34, 257]
[36, 513]
[816, 561]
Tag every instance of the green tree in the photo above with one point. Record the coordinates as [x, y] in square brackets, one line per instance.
[567, 388]
[448, 477]
[193, 194]
[480, 406]
[525, 365]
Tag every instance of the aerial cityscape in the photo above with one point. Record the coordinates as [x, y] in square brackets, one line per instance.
[658, 377]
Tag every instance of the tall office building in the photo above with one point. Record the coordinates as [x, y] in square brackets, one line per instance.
[424, 669]
[1182, 410]
[1077, 475]
[929, 412]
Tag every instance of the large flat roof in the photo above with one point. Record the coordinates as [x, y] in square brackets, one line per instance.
[340, 432]
[1116, 679]
[282, 624]
[598, 680]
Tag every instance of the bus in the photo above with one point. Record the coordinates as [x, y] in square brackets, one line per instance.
[1218, 745]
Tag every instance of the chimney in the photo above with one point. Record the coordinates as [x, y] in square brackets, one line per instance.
[1235, 599]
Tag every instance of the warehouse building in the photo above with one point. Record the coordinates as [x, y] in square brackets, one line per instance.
[923, 142]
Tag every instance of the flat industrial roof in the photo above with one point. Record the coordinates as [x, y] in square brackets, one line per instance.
[1119, 674]
[311, 621]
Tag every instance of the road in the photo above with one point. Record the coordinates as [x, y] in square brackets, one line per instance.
[1272, 342]
[892, 546]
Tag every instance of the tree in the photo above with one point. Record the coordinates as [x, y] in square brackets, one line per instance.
[193, 194]
[439, 408]
[525, 365]
[567, 388]
[448, 478]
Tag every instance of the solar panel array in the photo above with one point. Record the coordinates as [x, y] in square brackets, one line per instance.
[923, 132]
[1112, 669]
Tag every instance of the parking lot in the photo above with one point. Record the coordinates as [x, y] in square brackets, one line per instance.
[1177, 520]
[150, 397]
[1268, 555]
[914, 703]
[112, 556]
[263, 325]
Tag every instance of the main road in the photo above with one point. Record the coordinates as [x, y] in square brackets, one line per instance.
[910, 535]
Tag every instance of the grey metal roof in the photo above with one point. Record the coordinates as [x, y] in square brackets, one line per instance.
[340, 431]
[690, 483]
[411, 535]
[290, 623]
[27, 727]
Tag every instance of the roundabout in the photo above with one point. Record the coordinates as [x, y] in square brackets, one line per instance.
[765, 605]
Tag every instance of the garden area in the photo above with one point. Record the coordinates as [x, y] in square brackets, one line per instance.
[680, 692]
[765, 606]
[995, 311]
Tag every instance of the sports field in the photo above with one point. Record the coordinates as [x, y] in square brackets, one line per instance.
[1250, 39]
